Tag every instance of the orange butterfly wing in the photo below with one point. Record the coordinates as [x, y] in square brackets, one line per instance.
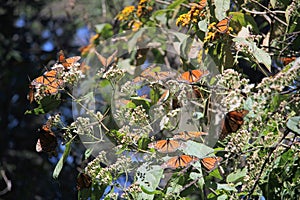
[287, 60]
[232, 122]
[223, 25]
[210, 163]
[193, 75]
[106, 62]
[199, 5]
[179, 161]
[165, 146]
[50, 80]
[186, 135]
[67, 62]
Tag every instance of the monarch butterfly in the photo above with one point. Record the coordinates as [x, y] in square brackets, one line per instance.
[223, 25]
[106, 62]
[154, 73]
[31, 93]
[67, 62]
[179, 161]
[47, 141]
[232, 122]
[165, 146]
[50, 81]
[210, 163]
[186, 135]
[199, 5]
[193, 75]
[83, 181]
[287, 60]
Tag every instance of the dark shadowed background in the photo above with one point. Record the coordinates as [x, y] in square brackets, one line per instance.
[31, 34]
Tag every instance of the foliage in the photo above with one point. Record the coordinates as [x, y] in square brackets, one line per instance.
[149, 102]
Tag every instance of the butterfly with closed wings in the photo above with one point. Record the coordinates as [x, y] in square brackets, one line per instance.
[210, 163]
[232, 122]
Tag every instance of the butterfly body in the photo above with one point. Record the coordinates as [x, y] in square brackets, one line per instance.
[179, 161]
[83, 181]
[192, 76]
[210, 163]
[223, 25]
[165, 146]
[186, 135]
[67, 62]
[106, 62]
[47, 141]
[50, 81]
[232, 122]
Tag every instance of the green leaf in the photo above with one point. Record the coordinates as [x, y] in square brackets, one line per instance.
[47, 104]
[175, 4]
[294, 124]
[273, 3]
[202, 25]
[236, 176]
[61, 161]
[84, 193]
[226, 187]
[148, 177]
[88, 152]
[197, 149]
[221, 7]
[260, 55]
[215, 173]
[222, 197]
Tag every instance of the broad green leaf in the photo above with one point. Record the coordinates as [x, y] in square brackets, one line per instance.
[294, 124]
[222, 197]
[47, 104]
[236, 176]
[148, 177]
[197, 149]
[221, 7]
[260, 55]
[61, 161]
[244, 20]
[226, 187]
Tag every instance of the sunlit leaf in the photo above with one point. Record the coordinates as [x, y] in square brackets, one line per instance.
[236, 176]
[294, 124]
[61, 161]
[148, 176]
[221, 7]
[226, 187]
[197, 149]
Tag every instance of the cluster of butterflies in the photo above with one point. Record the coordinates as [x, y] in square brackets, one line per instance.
[231, 123]
[51, 81]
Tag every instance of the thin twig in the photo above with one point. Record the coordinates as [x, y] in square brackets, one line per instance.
[265, 163]
[168, 3]
[7, 181]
